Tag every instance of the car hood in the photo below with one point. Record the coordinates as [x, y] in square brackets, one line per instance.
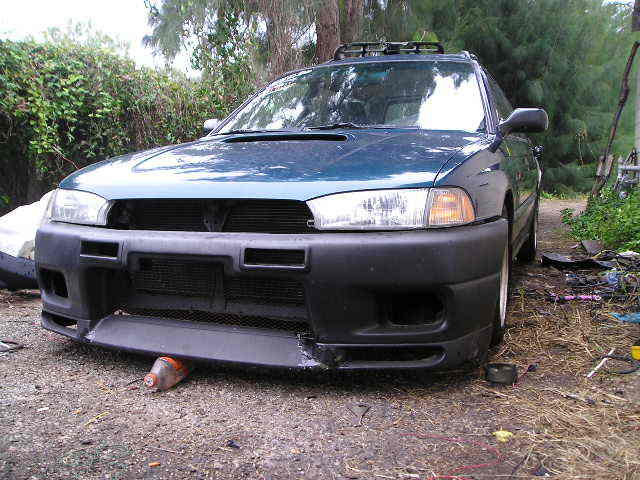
[296, 166]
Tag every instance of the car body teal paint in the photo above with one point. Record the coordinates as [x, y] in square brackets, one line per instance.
[214, 167]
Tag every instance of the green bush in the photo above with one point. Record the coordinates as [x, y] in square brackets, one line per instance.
[610, 219]
[64, 105]
[569, 180]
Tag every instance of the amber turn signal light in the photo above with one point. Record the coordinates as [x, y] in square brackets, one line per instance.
[450, 206]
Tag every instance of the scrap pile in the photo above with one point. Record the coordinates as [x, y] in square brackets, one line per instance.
[600, 275]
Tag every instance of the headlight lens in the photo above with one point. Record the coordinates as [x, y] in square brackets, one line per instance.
[73, 206]
[404, 209]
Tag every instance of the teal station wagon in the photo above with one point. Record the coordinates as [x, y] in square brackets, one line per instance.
[362, 213]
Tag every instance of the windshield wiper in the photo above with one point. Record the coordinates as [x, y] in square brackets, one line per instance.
[234, 132]
[335, 126]
[354, 126]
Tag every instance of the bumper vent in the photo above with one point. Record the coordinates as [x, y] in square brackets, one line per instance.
[265, 323]
[245, 216]
[270, 291]
[175, 277]
[263, 256]
[192, 278]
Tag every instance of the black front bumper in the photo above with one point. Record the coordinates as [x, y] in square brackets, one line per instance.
[353, 282]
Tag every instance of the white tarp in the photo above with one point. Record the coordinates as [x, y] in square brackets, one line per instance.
[18, 228]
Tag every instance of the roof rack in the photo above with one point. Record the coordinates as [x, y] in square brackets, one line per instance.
[469, 55]
[362, 49]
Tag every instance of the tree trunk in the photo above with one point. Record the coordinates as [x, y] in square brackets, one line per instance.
[354, 11]
[327, 30]
[635, 26]
[637, 136]
[604, 165]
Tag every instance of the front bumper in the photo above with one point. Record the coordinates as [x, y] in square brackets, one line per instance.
[354, 284]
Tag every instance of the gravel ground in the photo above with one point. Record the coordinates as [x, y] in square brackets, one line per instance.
[77, 411]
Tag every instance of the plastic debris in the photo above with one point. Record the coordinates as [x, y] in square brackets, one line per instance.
[635, 351]
[18, 228]
[601, 364]
[592, 247]
[154, 464]
[541, 471]
[17, 245]
[165, 373]
[9, 345]
[630, 255]
[232, 444]
[359, 410]
[567, 298]
[501, 373]
[565, 261]
[634, 366]
[503, 435]
[627, 318]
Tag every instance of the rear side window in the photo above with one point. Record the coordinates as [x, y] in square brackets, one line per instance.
[502, 104]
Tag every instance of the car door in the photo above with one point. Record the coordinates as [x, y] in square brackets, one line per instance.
[520, 164]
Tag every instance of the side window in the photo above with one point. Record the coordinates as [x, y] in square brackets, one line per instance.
[502, 104]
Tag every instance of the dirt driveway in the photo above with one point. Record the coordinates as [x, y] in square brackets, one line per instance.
[74, 411]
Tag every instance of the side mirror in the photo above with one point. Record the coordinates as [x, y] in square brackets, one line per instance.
[525, 120]
[210, 125]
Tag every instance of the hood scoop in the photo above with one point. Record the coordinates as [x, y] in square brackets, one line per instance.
[287, 137]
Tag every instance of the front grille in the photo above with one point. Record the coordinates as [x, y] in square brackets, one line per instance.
[272, 216]
[157, 276]
[167, 215]
[197, 215]
[265, 323]
[269, 291]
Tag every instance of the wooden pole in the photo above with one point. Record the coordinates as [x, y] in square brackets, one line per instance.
[603, 172]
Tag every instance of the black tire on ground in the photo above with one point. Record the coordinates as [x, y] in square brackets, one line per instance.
[527, 252]
[499, 319]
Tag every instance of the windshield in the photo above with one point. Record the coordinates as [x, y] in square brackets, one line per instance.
[432, 95]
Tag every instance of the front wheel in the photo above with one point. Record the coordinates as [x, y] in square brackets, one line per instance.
[500, 317]
[527, 252]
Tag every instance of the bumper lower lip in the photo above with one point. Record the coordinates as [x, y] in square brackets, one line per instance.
[152, 336]
[344, 276]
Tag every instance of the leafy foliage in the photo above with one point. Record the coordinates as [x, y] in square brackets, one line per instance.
[66, 105]
[610, 219]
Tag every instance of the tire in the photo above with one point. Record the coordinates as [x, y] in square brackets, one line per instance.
[527, 252]
[500, 317]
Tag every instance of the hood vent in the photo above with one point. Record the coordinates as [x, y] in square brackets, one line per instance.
[284, 137]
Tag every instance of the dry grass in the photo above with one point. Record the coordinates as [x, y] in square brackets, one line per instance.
[579, 427]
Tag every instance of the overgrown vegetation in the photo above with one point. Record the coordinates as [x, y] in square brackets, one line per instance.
[65, 105]
[610, 219]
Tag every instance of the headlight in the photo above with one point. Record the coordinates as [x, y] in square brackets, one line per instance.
[73, 206]
[404, 209]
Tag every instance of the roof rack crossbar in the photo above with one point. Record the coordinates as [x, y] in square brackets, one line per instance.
[362, 49]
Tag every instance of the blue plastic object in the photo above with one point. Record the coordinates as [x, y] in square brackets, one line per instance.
[628, 318]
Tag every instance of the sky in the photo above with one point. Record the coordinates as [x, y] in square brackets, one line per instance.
[125, 20]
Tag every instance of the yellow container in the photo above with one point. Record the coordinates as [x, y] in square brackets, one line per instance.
[635, 351]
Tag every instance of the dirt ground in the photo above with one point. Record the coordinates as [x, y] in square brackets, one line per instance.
[77, 411]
